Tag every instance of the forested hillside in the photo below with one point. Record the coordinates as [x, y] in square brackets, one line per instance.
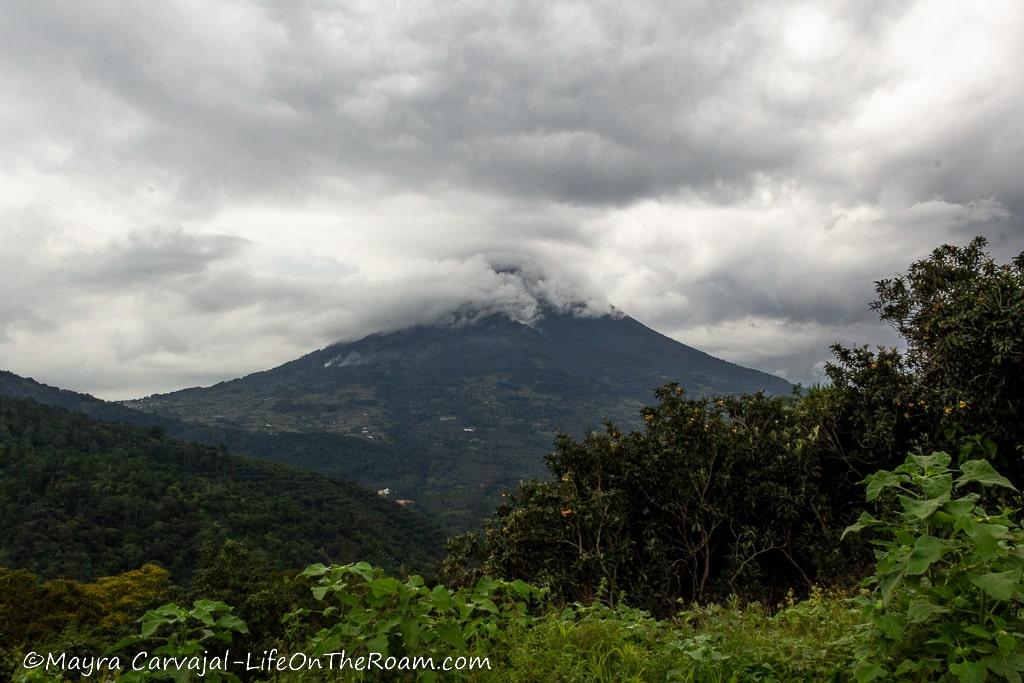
[83, 499]
[453, 413]
[331, 454]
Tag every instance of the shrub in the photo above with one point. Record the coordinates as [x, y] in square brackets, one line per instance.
[369, 611]
[946, 595]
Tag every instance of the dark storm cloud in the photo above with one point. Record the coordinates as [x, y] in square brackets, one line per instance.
[736, 174]
[583, 103]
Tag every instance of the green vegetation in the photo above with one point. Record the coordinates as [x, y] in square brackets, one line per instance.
[84, 499]
[715, 497]
[867, 530]
[521, 632]
[374, 410]
[947, 589]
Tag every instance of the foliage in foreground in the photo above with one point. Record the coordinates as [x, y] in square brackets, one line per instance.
[943, 603]
[368, 611]
[525, 637]
[947, 590]
[807, 640]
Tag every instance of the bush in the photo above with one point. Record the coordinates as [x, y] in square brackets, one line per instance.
[369, 611]
[946, 595]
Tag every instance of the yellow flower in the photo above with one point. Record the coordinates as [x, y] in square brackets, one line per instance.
[566, 512]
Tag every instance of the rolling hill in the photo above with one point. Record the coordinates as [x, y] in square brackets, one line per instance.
[82, 498]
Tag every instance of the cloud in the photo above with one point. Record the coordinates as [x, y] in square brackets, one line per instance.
[151, 255]
[192, 191]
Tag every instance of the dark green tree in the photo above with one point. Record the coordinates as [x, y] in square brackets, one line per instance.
[962, 316]
[714, 496]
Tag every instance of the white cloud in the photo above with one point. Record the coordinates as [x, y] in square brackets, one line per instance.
[190, 192]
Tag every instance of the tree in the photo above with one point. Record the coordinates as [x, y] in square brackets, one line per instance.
[714, 496]
[962, 316]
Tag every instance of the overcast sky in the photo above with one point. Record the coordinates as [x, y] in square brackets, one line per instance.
[190, 191]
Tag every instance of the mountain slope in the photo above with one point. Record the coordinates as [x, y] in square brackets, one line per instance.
[82, 498]
[451, 414]
[301, 449]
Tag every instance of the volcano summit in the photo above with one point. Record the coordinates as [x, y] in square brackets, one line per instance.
[447, 415]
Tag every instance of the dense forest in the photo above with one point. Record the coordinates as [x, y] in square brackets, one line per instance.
[864, 530]
[83, 499]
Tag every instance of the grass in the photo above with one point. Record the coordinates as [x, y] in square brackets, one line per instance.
[810, 640]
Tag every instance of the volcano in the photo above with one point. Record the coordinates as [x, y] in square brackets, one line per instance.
[448, 415]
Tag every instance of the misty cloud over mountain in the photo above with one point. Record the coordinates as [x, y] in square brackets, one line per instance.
[190, 192]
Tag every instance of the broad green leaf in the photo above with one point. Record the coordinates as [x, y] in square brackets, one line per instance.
[937, 485]
[961, 507]
[920, 612]
[123, 643]
[317, 569]
[865, 520]
[202, 615]
[1006, 665]
[385, 585]
[969, 672]
[889, 584]
[932, 461]
[388, 626]
[880, 480]
[378, 644]
[451, 633]
[1000, 585]
[522, 588]
[411, 631]
[168, 610]
[983, 473]
[892, 625]
[908, 666]
[926, 551]
[986, 538]
[441, 598]
[487, 605]
[150, 626]
[232, 622]
[923, 508]
[361, 569]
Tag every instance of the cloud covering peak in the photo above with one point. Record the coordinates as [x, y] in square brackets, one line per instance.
[191, 191]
